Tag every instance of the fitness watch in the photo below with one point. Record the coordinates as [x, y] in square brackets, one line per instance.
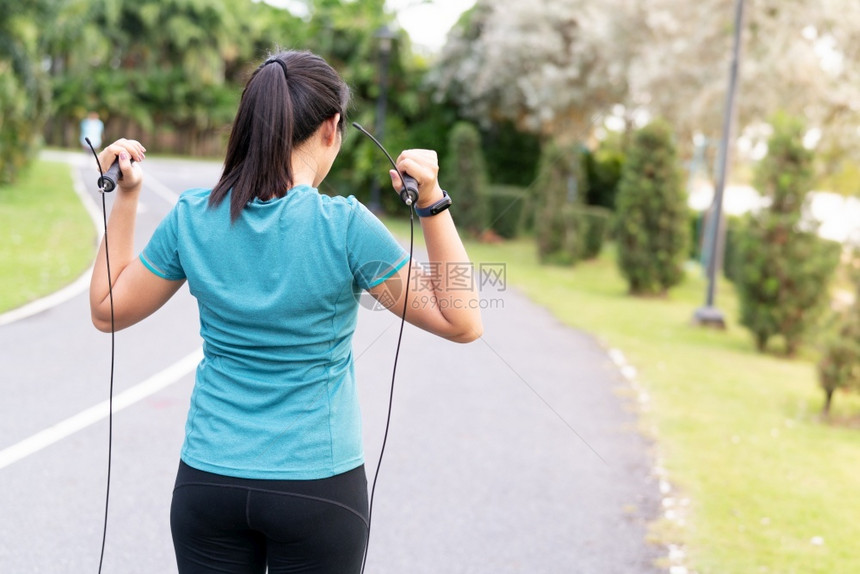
[436, 208]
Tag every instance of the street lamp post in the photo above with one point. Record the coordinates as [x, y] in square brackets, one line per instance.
[386, 38]
[709, 315]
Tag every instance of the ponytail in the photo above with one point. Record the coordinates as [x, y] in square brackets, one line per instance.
[282, 105]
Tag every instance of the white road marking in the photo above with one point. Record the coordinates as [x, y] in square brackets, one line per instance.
[94, 414]
[152, 184]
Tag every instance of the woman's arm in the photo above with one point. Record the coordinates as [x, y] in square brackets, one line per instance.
[443, 297]
[137, 292]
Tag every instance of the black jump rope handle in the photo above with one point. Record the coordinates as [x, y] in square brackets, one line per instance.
[409, 193]
[107, 182]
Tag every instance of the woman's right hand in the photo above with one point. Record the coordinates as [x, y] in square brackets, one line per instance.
[125, 150]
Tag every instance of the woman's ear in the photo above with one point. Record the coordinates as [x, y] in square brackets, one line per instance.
[330, 130]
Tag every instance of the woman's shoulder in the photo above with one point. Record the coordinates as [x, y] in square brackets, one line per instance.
[347, 204]
[195, 193]
[193, 198]
[338, 200]
[189, 204]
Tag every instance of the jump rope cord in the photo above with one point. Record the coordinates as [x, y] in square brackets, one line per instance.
[393, 376]
[411, 204]
[112, 361]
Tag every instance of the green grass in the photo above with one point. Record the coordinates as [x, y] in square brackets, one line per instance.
[46, 237]
[738, 432]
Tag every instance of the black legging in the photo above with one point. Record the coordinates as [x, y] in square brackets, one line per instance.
[241, 526]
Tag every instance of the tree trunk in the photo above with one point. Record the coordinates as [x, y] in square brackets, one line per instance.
[761, 342]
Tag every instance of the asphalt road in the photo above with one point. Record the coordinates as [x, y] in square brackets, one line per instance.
[518, 453]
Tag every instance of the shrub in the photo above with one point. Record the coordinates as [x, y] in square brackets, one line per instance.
[560, 182]
[603, 168]
[839, 365]
[587, 228]
[783, 267]
[512, 156]
[782, 278]
[508, 206]
[466, 175]
[575, 232]
[651, 214]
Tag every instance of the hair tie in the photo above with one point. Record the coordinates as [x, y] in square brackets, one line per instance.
[279, 62]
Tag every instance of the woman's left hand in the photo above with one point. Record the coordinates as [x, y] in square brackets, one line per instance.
[126, 151]
[423, 165]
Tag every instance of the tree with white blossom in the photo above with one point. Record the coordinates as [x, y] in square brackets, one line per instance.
[558, 67]
[543, 64]
[802, 58]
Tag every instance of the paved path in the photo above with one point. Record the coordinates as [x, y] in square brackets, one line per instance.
[513, 454]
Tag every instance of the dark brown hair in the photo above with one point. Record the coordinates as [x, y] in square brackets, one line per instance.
[280, 108]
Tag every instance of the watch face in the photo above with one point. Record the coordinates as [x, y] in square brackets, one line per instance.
[443, 204]
[436, 208]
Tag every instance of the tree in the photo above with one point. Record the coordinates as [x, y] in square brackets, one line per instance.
[651, 214]
[806, 63]
[345, 33]
[546, 65]
[171, 72]
[24, 92]
[800, 57]
[152, 67]
[783, 267]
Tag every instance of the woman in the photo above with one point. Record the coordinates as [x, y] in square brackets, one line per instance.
[271, 472]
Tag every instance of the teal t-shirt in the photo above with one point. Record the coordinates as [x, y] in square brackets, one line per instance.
[277, 290]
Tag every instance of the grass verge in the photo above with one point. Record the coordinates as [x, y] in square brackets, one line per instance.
[761, 483]
[46, 237]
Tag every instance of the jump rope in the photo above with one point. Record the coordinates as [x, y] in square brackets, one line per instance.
[107, 182]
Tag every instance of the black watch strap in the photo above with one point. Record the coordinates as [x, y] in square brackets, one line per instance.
[436, 208]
